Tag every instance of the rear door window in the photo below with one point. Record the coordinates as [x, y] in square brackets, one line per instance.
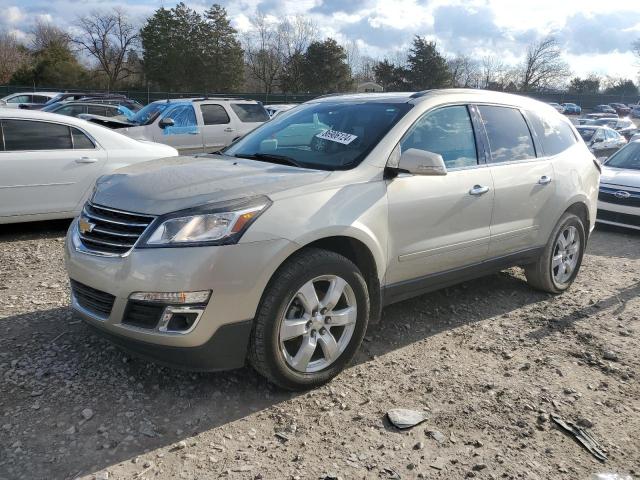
[29, 135]
[97, 110]
[447, 131]
[214, 114]
[509, 136]
[250, 112]
[20, 99]
[553, 131]
[72, 110]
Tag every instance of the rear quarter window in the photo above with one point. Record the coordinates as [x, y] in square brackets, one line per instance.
[250, 112]
[553, 132]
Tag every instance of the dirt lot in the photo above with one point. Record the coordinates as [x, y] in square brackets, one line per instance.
[488, 361]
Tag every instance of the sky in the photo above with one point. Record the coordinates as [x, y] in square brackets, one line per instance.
[596, 36]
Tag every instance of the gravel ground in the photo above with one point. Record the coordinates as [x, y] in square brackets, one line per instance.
[487, 361]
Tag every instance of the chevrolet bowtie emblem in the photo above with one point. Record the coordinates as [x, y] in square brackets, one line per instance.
[85, 226]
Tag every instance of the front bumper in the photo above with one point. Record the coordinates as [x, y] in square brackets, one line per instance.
[618, 215]
[237, 275]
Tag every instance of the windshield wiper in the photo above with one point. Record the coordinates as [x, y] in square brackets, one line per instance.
[271, 157]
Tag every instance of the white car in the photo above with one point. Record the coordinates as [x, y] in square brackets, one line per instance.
[49, 163]
[619, 198]
[275, 110]
[26, 98]
[192, 125]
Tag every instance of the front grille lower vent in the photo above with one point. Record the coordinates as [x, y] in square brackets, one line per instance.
[95, 301]
[105, 230]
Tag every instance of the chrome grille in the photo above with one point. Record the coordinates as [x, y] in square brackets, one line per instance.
[109, 231]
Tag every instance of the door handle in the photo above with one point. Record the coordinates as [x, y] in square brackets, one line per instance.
[478, 190]
[228, 130]
[544, 180]
[86, 160]
[194, 133]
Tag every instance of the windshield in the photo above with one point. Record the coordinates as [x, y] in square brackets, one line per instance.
[54, 99]
[586, 133]
[327, 136]
[149, 113]
[627, 157]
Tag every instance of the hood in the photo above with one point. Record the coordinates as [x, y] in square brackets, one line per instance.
[171, 184]
[620, 176]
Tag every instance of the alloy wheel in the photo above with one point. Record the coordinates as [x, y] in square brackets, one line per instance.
[566, 253]
[318, 324]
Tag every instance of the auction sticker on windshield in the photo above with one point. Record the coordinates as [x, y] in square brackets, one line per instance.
[336, 136]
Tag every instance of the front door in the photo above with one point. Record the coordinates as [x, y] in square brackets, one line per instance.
[185, 134]
[440, 223]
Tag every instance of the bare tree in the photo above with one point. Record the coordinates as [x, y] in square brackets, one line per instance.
[45, 36]
[465, 72]
[13, 56]
[108, 37]
[296, 36]
[543, 66]
[264, 47]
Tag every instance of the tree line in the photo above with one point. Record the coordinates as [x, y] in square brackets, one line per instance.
[180, 50]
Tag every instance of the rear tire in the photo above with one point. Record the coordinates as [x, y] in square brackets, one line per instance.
[311, 320]
[558, 266]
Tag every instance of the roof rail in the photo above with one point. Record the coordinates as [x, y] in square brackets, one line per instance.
[421, 93]
[201, 99]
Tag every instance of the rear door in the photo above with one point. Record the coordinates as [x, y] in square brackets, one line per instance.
[522, 178]
[440, 223]
[217, 129]
[45, 167]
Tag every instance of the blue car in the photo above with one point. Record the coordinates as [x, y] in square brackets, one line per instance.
[571, 109]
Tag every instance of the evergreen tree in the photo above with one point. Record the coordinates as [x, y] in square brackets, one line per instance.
[183, 51]
[427, 67]
[325, 67]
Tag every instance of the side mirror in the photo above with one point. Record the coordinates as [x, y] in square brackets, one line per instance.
[422, 162]
[598, 140]
[166, 122]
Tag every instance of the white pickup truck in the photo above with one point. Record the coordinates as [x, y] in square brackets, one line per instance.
[192, 125]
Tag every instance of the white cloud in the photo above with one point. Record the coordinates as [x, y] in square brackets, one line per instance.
[13, 14]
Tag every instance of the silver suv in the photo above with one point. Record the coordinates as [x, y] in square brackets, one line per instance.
[283, 247]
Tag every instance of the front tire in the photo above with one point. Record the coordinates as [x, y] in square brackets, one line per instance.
[311, 320]
[558, 266]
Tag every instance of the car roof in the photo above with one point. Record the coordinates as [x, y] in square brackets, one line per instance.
[205, 99]
[20, 114]
[78, 102]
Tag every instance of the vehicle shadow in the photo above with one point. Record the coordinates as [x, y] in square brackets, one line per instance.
[61, 368]
[16, 232]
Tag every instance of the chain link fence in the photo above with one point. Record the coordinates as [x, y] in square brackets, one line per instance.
[586, 101]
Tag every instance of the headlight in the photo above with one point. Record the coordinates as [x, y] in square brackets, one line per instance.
[201, 226]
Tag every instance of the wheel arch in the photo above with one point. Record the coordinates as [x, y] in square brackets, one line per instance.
[581, 209]
[357, 251]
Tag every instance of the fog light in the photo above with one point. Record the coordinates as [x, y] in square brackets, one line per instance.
[173, 297]
[179, 319]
